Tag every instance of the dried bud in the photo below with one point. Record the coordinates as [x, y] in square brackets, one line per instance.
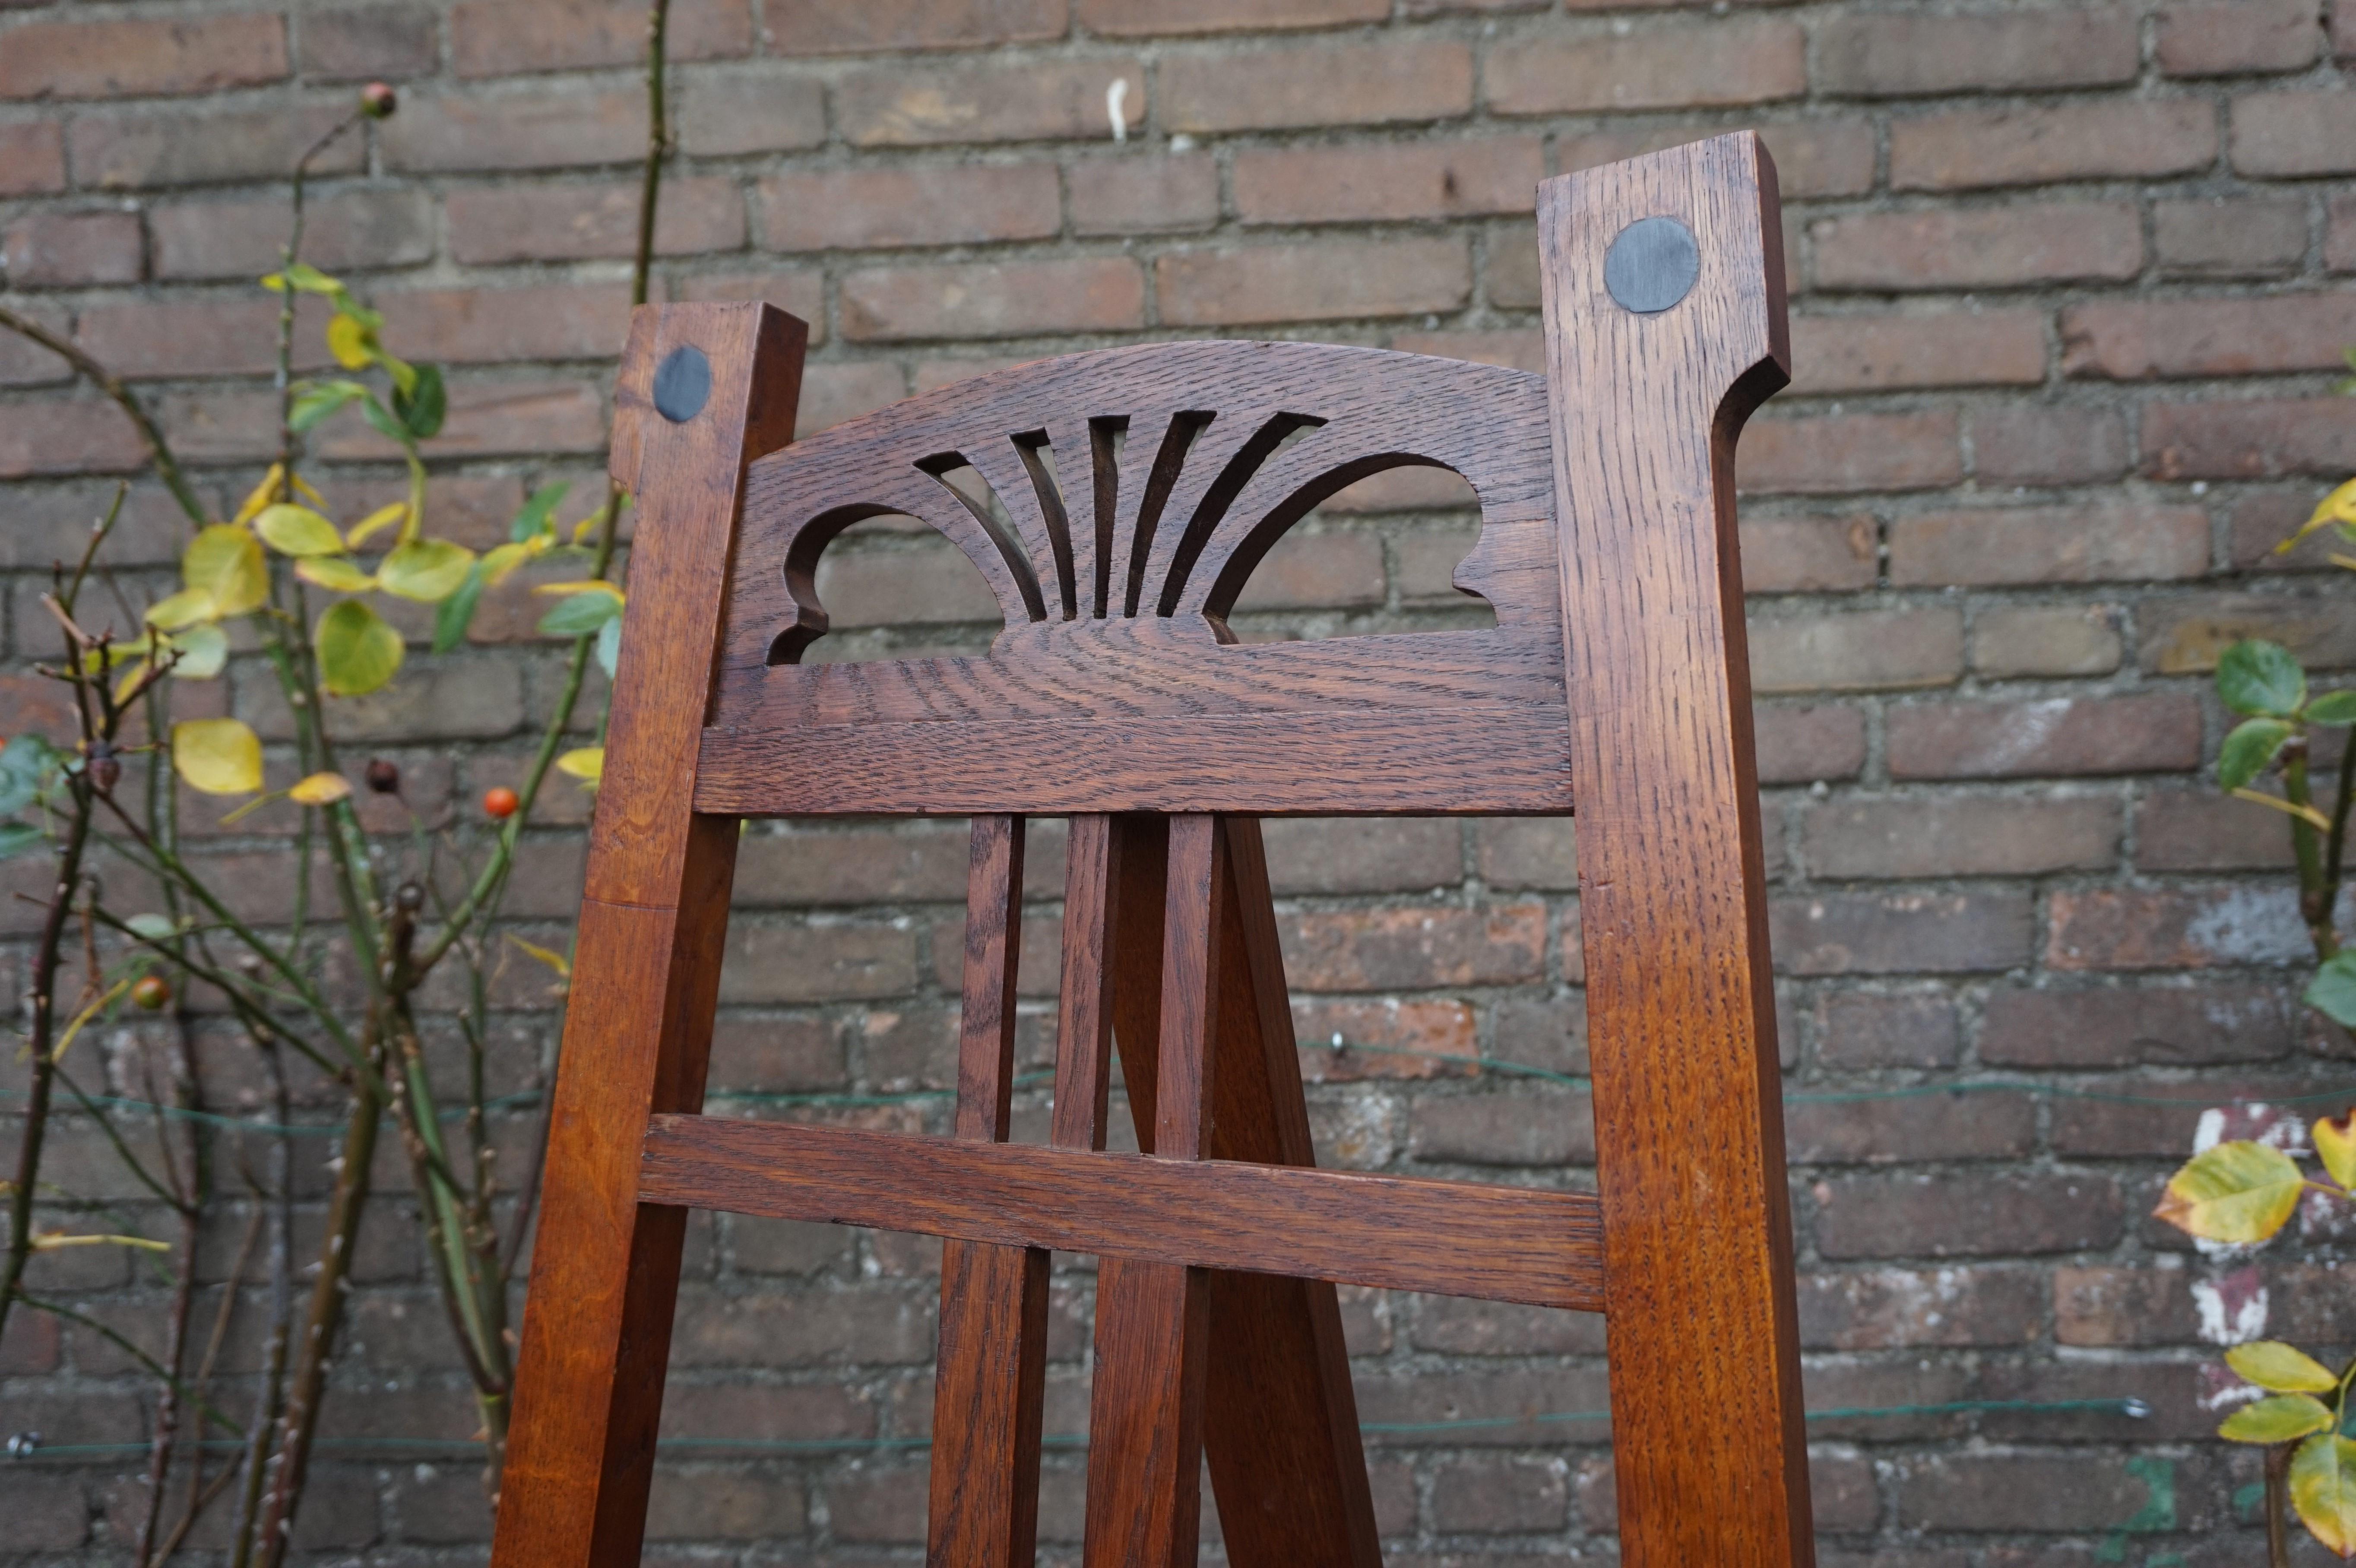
[410, 897]
[378, 100]
[105, 770]
[384, 778]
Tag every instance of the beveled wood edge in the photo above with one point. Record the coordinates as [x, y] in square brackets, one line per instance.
[1527, 1245]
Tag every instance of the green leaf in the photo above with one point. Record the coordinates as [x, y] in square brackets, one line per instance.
[16, 794]
[31, 757]
[2323, 1490]
[187, 607]
[155, 928]
[2333, 992]
[458, 612]
[422, 409]
[2260, 677]
[2238, 1191]
[17, 838]
[580, 614]
[609, 646]
[306, 279]
[2280, 1419]
[535, 517]
[202, 650]
[297, 531]
[426, 570]
[220, 756]
[2281, 1368]
[2333, 708]
[312, 406]
[2248, 750]
[358, 651]
[385, 423]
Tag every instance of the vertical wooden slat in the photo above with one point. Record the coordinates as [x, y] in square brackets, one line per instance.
[1145, 1412]
[1083, 1013]
[596, 1333]
[1680, 1006]
[992, 1370]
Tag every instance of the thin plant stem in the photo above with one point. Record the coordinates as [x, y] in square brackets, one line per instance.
[159, 453]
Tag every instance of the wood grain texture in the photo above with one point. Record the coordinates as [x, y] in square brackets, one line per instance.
[596, 1330]
[994, 956]
[1681, 1019]
[1084, 1005]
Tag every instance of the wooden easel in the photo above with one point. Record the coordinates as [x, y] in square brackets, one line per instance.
[1615, 677]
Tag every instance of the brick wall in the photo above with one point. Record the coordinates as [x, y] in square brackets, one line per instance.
[2069, 303]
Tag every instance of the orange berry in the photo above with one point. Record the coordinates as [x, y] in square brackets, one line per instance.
[500, 802]
[153, 993]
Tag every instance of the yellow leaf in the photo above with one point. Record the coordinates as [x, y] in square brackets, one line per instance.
[350, 341]
[202, 650]
[334, 574]
[2323, 1490]
[2334, 1140]
[426, 570]
[2238, 1191]
[320, 789]
[303, 487]
[297, 531]
[2281, 1368]
[358, 651]
[554, 960]
[220, 756]
[501, 562]
[186, 608]
[226, 562]
[376, 522]
[586, 586]
[2284, 1418]
[587, 763]
[261, 496]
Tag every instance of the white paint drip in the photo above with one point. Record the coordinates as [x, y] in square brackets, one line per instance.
[1113, 94]
[2232, 1308]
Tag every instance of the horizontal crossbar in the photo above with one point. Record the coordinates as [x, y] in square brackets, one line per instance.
[1497, 1243]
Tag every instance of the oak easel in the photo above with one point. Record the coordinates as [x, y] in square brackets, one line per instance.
[1616, 676]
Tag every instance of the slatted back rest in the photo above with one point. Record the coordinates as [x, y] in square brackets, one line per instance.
[1615, 678]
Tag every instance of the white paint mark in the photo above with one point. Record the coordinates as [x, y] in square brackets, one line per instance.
[2232, 1308]
[1113, 97]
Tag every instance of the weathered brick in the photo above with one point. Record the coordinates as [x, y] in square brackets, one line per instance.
[343, 233]
[32, 158]
[576, 222]
[2211, 40]
[1894, 54]
[141, 57]
[1804, 743]
[1501, 1496]
[723, 115]
[556, 321]
[1886, 352]
[1155, 193]
[1962, 835]
[1809, 554]
[911, 24]
[1998, 1491]
[2207, 337]
[1859, 651]
[802, 295]
[935, 106]
[1867, 1029]
[2137, 1026]
[488, 419]
[131, 151]
[2247, 438]
[2173, 927]
[508, 37]
[86, 435]
[2258, 521]
[930, 583]
[25, 363]
[834, 392]
[2288, 134]
[1524, 1129]
[69, 249]
[1528, 851]
[1389, 1038]
[1957, 1125]
[359, 43]
[1371, 949]
[1822, 155]
[993, 299]
[1750, 60]
[2008, 546]
[1898, 1216]
[872, 208]
[2160, 732]
[1434, 179]
[1839, 453]
[196, 338]
[1129, 18]
[2045, 443]
[2220, 236]
[1285, 89]
[2185, 636]
[1320, 282]
[2194, 829]
[1889, 933]
[2121, 139]
[2046, 241]
[448, 133]
[2046, 640]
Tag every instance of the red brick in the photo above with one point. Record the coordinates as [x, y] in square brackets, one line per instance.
[1680, 67]
[544, 128]
[2208, 336]
[197, 338]
[876, 208]
[1499, 1495]
[1953, 1126]
[1891, 54]
[1510, 275]
[2158, 732]
[142, 58]
[1317, 571]
[721, 116]
[126, 152]
[2137, 1026]
[1055, 101]
[64, 250]
[2126, 138]
[25, 363]
[2211, 40]
[1813, 157]
[1888, 351]
[352, 230]
[2038, 640]
[2193, 830]
[1802, 745]
[508, 37]
[1284, 89]
[578, 222]
[1524, 1128]
[1323, 282]
[2174, 927]
[1901, 933]
[1142, 195]
[2018, 443]
[2000, 1491]
[2014, 547]
[910, 25]
[1132, 19]
[801, 295]
[1808, 554]
[1864, 1029]
[2184, 636]
[2223, 237]
[1431, 180]
[1966, 1216]
[2051, 241]
[2258, 521]
[1371, 949]
[834, 392]
[87, 436]
[495, 418]
[993, 299]
[1862, 650]
[1876, 1309]
[555, 321]
[1389, 1038]
[363, 42]
[1966, 836]
[1833, 454]
[32, 158]
[2279, 134]
[2247, 438]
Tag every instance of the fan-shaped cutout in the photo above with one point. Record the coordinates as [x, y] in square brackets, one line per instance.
[1380, 557]
[894, 588]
